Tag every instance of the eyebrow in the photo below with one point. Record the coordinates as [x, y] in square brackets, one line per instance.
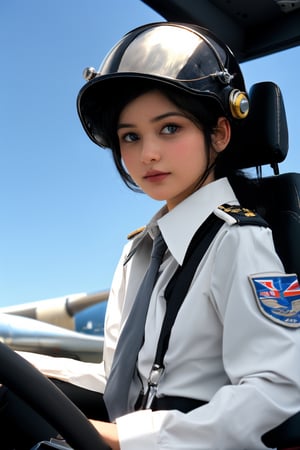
[155, 119]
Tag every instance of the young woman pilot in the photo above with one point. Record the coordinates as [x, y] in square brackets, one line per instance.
[167, 101]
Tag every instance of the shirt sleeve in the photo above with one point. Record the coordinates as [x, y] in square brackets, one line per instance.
[80, 373]
[114, 312]
[259, 357]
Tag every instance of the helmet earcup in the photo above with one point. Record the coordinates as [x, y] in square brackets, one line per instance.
[238, 104]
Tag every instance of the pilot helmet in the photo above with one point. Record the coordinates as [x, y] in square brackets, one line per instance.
[182, 56]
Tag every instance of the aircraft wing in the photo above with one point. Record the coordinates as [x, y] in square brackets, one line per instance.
[70, 326]
[59, 311]
[24, 334]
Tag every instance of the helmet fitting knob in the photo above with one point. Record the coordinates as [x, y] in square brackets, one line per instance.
[89, 73]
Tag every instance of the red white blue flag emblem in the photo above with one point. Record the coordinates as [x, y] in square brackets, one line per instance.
[278, 297]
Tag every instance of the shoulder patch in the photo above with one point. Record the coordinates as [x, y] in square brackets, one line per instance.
[242, 216]
[278, 297]
[135, 232]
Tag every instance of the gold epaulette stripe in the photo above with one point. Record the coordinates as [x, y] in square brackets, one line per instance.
[238, 210]
[243, 216]
[135, 232]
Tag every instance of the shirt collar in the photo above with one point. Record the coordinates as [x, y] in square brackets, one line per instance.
[179, 225]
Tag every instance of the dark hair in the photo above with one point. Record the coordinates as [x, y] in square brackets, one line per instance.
[201, 111]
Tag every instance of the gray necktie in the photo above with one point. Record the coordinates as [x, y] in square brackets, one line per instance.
[131, 339]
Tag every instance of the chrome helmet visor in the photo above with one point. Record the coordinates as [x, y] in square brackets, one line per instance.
[170, 52]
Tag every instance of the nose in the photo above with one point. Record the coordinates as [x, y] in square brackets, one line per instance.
[150, 150]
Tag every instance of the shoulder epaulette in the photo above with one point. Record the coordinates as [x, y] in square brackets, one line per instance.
[241, 216]
[135, 232]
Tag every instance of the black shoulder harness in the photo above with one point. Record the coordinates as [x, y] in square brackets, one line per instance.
[179, 284]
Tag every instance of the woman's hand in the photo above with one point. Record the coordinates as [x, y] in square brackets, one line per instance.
[108, 432]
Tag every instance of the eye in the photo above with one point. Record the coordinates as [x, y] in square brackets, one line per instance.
[129, 137]
[171, 128]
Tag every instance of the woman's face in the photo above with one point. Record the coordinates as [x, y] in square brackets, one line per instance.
[162, 149]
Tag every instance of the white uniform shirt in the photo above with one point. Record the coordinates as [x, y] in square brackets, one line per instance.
[222, 348]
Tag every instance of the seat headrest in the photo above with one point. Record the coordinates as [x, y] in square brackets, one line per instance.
[261, 138]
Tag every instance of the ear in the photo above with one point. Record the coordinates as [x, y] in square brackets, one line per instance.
[221, 135]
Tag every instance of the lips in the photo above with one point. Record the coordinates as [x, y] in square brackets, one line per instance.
[155, 175]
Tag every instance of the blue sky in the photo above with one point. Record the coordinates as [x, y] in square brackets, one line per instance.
[65, 212]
